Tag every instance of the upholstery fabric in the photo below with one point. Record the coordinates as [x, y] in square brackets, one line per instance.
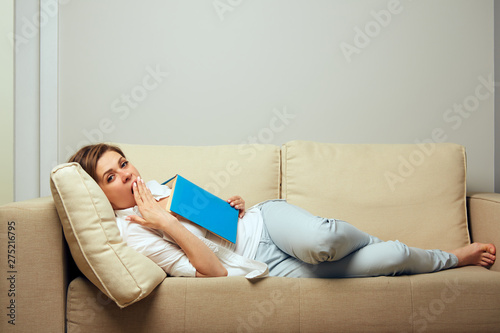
[458, 300]
[251, 171]
[37, 279]
[464, 299]
[94, 240]
[413, 193]
[485, 207]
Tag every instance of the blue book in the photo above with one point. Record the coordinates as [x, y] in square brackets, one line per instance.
[202, 207]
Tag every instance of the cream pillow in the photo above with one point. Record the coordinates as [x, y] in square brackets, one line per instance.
[414, 193]
[88, 221]
[249, 170]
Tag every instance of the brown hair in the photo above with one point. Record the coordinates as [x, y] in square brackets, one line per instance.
[88, 156]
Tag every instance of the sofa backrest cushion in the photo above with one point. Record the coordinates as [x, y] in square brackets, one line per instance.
[251, 171]
[414, 193]
[94, 240]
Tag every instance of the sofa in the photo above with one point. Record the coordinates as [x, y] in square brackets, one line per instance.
[415, 193]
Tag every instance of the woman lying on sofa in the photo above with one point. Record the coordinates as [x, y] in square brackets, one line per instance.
[274, 237]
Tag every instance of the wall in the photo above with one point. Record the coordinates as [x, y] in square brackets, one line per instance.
[220, 72]
[229, 72]
[27, 129]
[6, 102]
[497, 98]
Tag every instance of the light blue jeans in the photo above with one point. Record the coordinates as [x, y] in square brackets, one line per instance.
[295, 243]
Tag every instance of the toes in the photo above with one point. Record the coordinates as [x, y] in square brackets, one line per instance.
[488, 259]
[489, 256]
[492, 249]
[486, 263]
[488, 248]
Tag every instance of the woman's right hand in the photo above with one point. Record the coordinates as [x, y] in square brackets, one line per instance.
[153, 214]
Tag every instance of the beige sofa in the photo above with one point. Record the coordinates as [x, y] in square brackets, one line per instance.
[414, 193]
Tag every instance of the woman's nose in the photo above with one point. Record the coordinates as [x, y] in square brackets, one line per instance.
[125, 176]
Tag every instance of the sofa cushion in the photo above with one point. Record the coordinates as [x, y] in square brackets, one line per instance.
[252, 171]
[456, 300]
[181, 304]
[414, 193]
[94, 240]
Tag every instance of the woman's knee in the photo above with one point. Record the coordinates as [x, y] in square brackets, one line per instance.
[332, 241]
[337, 239]
[397, 256]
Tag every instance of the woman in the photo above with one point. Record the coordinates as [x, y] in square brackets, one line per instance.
[274, 235]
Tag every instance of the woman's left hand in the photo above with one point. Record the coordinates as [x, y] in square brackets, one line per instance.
[238, 203]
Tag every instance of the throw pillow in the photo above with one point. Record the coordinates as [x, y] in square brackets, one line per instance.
[88, 221]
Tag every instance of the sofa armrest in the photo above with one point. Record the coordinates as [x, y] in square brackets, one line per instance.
[33, 264]
[484, 219]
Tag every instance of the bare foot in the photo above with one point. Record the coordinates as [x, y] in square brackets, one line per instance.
[478, 254]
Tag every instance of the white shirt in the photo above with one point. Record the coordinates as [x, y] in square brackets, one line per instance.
[161, 248]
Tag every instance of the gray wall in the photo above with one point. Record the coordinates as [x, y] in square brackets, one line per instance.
[6, 103]
[230, 72]
[497, 97]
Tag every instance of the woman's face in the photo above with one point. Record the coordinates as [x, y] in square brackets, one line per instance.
[115, 175]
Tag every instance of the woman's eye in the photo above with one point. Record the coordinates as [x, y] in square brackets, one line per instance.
[110, 178]
[124, 164]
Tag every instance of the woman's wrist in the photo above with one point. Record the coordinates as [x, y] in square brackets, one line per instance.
[170, 224]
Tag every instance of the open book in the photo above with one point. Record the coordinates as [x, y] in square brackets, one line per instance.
[202, 207]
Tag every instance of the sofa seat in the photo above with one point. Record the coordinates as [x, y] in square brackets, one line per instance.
[453, 300]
